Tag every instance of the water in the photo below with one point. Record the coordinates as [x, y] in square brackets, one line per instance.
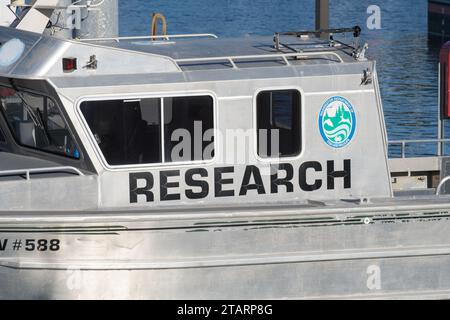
[407, 63]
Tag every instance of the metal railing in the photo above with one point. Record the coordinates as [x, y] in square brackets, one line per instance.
[403, 143]
[441, 184]
[29, 172]
[230, 59]
[283, 56]
[164, 37]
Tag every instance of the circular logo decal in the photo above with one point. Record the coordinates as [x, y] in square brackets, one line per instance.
[337, 122]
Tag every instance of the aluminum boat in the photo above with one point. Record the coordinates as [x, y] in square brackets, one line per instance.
[195, 167]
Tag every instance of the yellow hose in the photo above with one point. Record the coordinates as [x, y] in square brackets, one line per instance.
[159, 17]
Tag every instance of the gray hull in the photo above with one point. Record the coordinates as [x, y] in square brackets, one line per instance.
[378, 251]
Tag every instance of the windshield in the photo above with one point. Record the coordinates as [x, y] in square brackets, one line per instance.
[36, 122]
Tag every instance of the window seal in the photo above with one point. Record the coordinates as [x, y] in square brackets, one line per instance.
[2, 137]
[162, 95]
[43, 151]
[275, 160]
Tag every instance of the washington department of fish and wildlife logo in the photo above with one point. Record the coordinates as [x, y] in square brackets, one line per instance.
[337, 122]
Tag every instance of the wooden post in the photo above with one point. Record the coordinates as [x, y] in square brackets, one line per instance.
[322, 16]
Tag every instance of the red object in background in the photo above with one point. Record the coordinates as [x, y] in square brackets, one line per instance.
[69, 64]
[444, 59]
[6, 92]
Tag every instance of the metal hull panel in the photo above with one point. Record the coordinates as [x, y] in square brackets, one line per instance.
[400, 277]
[406, 258]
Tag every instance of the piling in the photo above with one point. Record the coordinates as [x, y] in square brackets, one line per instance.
[322, 16]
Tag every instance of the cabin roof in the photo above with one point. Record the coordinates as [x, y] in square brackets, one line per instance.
[210, 47]
[41, 56]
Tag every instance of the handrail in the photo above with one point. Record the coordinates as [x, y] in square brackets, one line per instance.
[167, 37]
[29, 172]
[403, 143]
[282, 56]
[419, 141]
[441, 184]
[154, 29]
[230, 59]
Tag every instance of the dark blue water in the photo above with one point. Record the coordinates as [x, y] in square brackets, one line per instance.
[407, 63]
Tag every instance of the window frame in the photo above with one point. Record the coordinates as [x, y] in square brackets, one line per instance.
[2, 137]
[270, 160]
[139, 96]
[64, 117]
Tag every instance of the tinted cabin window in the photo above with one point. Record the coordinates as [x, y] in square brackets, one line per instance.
[278, 123]
[130, 132]
[187, 121]
[36, 122]
[2, 138]
[127, 131]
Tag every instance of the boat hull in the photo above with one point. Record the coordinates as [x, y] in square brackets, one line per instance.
[399, 252]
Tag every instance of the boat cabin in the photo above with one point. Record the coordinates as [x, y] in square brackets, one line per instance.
[143, 122]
